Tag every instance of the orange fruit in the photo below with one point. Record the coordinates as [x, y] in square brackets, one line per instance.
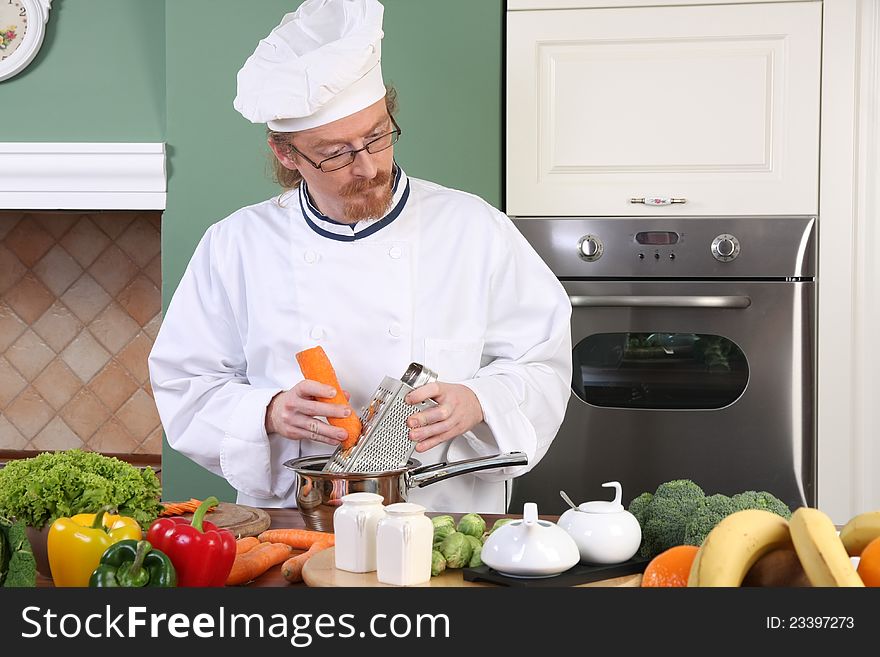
[869, 563]
[671, 567]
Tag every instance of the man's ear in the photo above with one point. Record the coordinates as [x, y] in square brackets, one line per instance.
[281, 154]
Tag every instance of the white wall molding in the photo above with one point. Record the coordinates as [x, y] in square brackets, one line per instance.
[530, 5]
[866, 452]
[88, 176]
[849, 279]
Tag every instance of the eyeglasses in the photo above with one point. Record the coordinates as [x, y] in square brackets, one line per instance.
[342, 160]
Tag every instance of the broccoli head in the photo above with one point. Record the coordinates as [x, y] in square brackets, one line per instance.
[638, 505]
[712, 510]
[751, 499]
[667, 514]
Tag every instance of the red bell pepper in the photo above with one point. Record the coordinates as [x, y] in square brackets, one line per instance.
[202, 553]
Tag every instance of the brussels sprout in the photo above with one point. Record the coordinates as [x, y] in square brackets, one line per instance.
[471, 524]
[442, 532]
[477, 546]
[443, 521]
[456, 549]
[475, 542]
[500, 523]
[438, 563]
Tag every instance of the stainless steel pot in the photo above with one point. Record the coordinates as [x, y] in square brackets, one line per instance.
[319, 493]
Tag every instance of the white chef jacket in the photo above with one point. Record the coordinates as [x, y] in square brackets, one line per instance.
[443, 279]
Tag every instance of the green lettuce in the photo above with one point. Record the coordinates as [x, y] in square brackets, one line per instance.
[61, 484]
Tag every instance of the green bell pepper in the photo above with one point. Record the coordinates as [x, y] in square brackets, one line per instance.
[131, 563]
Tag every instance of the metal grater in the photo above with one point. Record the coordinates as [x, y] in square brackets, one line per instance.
[384, 442]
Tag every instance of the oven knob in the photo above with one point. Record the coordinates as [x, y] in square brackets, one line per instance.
[590, 248]
[725, 247]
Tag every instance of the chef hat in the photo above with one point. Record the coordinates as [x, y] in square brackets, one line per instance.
[320, 64]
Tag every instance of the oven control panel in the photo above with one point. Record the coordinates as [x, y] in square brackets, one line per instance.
[777, 247]
[725, 247]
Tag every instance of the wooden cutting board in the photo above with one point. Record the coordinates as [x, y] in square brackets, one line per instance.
[239, 519]
[320, 570]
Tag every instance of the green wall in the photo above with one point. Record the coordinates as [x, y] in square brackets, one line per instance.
[99, 76]
[147, 70]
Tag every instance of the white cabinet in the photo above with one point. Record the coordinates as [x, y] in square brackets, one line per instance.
[714, 104]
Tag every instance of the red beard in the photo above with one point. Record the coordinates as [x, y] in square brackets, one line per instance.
[367, 199]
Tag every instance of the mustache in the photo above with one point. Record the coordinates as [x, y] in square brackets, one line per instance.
[381, 179]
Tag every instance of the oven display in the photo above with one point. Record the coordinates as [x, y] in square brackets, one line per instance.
[657, 237]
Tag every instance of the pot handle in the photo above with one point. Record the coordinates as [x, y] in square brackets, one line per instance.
[431, 474]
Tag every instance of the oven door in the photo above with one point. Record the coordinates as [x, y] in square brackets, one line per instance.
[706, 380]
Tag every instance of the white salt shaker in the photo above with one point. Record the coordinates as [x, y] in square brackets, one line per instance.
[354, 524]
[403, 542]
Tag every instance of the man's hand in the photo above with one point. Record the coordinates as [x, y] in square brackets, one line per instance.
[458, 411]
[293, 413]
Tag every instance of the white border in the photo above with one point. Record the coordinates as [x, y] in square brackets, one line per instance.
[38, 16]
[88, 176]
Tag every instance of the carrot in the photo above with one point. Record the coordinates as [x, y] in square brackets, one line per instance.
[253, 563]
[179, 508]
[247, 544]
[292, 569]
[301, 539]
[315, 366]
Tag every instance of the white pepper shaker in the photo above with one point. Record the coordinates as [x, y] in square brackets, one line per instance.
[354, 524]
[403, 543]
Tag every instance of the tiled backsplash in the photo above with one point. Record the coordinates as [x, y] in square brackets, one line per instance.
[80, 307]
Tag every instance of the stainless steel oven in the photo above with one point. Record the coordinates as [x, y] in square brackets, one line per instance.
[693, 352]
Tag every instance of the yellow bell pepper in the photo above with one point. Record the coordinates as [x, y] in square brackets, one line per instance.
[75, 545]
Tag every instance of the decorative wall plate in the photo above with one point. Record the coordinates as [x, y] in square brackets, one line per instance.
[22, 28]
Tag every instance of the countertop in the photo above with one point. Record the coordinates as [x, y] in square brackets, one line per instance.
[291, 518]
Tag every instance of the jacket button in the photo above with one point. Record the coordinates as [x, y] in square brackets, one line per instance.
[394, 330]
[316, 333]
[395, 252]
[310, 257]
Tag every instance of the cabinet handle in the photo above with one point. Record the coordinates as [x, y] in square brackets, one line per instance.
[658, 200]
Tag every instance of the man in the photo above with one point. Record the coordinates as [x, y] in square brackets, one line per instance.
[379, 269]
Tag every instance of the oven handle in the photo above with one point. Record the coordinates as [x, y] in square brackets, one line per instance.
[657, 301]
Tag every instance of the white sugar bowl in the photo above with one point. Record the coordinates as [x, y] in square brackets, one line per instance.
[605, 532]
[530, 547]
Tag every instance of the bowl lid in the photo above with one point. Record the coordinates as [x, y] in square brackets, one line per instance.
[530, 547]
[601, 506]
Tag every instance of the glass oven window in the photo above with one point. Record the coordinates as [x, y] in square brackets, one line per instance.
[659, 370]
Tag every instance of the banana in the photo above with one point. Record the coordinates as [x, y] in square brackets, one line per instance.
[820, 549]
[735, 544]
[859, 531]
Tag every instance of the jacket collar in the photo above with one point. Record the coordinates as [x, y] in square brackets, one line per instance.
[335, 230]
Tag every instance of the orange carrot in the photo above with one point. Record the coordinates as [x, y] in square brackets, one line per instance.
[253, 563]
[246, 544]
[292, 569]
[315, 366]
[179, 508]
[301, 539]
